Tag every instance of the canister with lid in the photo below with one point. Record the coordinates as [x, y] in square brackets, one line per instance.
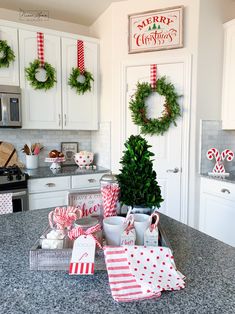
[110, 194]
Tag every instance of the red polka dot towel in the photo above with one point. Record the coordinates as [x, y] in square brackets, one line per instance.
[6, 203]
[138, 272]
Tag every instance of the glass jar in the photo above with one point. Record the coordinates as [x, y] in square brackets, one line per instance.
[88, 222]
[110, 194]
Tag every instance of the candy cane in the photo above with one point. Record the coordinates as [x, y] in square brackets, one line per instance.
[214, 153]
[155, 224]
[227, 154]
[63, 217]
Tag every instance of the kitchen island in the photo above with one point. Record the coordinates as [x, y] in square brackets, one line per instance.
[208, 264]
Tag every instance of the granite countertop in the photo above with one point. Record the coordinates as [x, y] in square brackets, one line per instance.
[44, 172]
[229, 179]
[207, 263]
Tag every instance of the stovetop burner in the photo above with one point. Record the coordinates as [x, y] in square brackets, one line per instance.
[12, 177]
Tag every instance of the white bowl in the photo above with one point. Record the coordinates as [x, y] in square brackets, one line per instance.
[84, 158]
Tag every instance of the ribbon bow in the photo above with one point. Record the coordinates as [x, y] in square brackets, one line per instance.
[78, 231]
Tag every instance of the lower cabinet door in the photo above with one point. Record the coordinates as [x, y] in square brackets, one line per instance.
[217, 216]
[46, 200]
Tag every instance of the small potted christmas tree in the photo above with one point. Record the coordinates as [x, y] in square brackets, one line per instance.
[137, 179]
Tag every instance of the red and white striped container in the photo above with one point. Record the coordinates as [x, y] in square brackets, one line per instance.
[110, 194]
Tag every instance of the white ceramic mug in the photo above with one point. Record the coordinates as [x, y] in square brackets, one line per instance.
[113, 228]
[141, 223]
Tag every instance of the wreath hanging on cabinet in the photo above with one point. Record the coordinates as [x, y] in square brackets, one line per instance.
[40, 74]
[171, 107]
[80, 79]
[6, 54]
[81, 82]
[40, 77]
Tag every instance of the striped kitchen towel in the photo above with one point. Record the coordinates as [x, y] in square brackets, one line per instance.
[6, 206]
[139, 273]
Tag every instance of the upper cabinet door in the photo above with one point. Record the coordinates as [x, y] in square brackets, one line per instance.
[41, 109]
[228, 90]
[80, 112]
[10, 75]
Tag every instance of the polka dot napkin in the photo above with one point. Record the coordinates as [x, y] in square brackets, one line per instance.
[139, 272]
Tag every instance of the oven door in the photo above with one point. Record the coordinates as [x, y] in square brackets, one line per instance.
[19, 199]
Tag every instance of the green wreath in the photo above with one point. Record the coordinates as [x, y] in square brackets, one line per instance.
[31, 73]
[8, 54]
[81, 87]
[171, 107]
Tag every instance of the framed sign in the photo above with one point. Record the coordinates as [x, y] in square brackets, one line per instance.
[69, 149]
[90, 201]
[156, 30]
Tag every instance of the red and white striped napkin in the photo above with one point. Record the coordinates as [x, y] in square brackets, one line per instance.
[138, 272]
[6, 205]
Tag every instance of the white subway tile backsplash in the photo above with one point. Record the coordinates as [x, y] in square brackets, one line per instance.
[213, 136]
[50, 139]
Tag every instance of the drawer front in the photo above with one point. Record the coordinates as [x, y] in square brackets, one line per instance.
[49, 184]
[46, 200]
[86, 181]
[218, 188]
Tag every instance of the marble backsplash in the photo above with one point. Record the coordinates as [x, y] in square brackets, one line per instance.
[96, 141]
[213, 136]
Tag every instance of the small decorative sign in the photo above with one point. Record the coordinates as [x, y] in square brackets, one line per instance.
[69, 149]
[83, 256]
[89, 201]
[156, 30]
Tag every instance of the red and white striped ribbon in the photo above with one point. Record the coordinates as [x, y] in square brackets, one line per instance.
[153, 75]
[81, 268]
[80, 56]
[78, 231]
[40, 46]
[110, 195]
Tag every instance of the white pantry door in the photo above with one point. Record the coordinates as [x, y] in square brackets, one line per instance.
[168, 147]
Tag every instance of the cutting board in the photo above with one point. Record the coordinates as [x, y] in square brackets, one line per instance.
[8, 155]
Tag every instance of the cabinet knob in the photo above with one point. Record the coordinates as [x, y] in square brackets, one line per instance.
[91, 180]
[175, 170]
[225, 191]
[50, 185]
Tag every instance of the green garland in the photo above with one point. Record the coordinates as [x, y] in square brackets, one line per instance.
[8, 54]
[171, 107]
[32, 70]
[81, 88]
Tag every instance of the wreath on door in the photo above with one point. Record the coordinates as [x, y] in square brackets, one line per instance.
[171, 107]
[6, 54]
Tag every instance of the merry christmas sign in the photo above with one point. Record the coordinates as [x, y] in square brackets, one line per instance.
[156, 30]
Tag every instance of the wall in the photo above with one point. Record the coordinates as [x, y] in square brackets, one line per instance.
[51, 23]
[112, 29]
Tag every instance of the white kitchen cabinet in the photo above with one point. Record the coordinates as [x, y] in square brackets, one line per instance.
[86, 181]
[48, 192]
[41, 109]
[217, 210]
[53, 191]
[10, 75]
[228, 90]
[80, 112]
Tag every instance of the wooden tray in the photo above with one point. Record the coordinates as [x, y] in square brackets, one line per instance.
[45, 259]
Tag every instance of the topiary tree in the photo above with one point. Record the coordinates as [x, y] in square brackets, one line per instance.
[137, 179]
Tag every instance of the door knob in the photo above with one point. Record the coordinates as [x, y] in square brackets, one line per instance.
[175, 170]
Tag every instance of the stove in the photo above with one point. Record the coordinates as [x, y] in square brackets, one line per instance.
[13, 180]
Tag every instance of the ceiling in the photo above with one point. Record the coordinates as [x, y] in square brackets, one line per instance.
[83, 12]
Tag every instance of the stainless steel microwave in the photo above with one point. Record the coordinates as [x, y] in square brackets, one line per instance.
[10, 107]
